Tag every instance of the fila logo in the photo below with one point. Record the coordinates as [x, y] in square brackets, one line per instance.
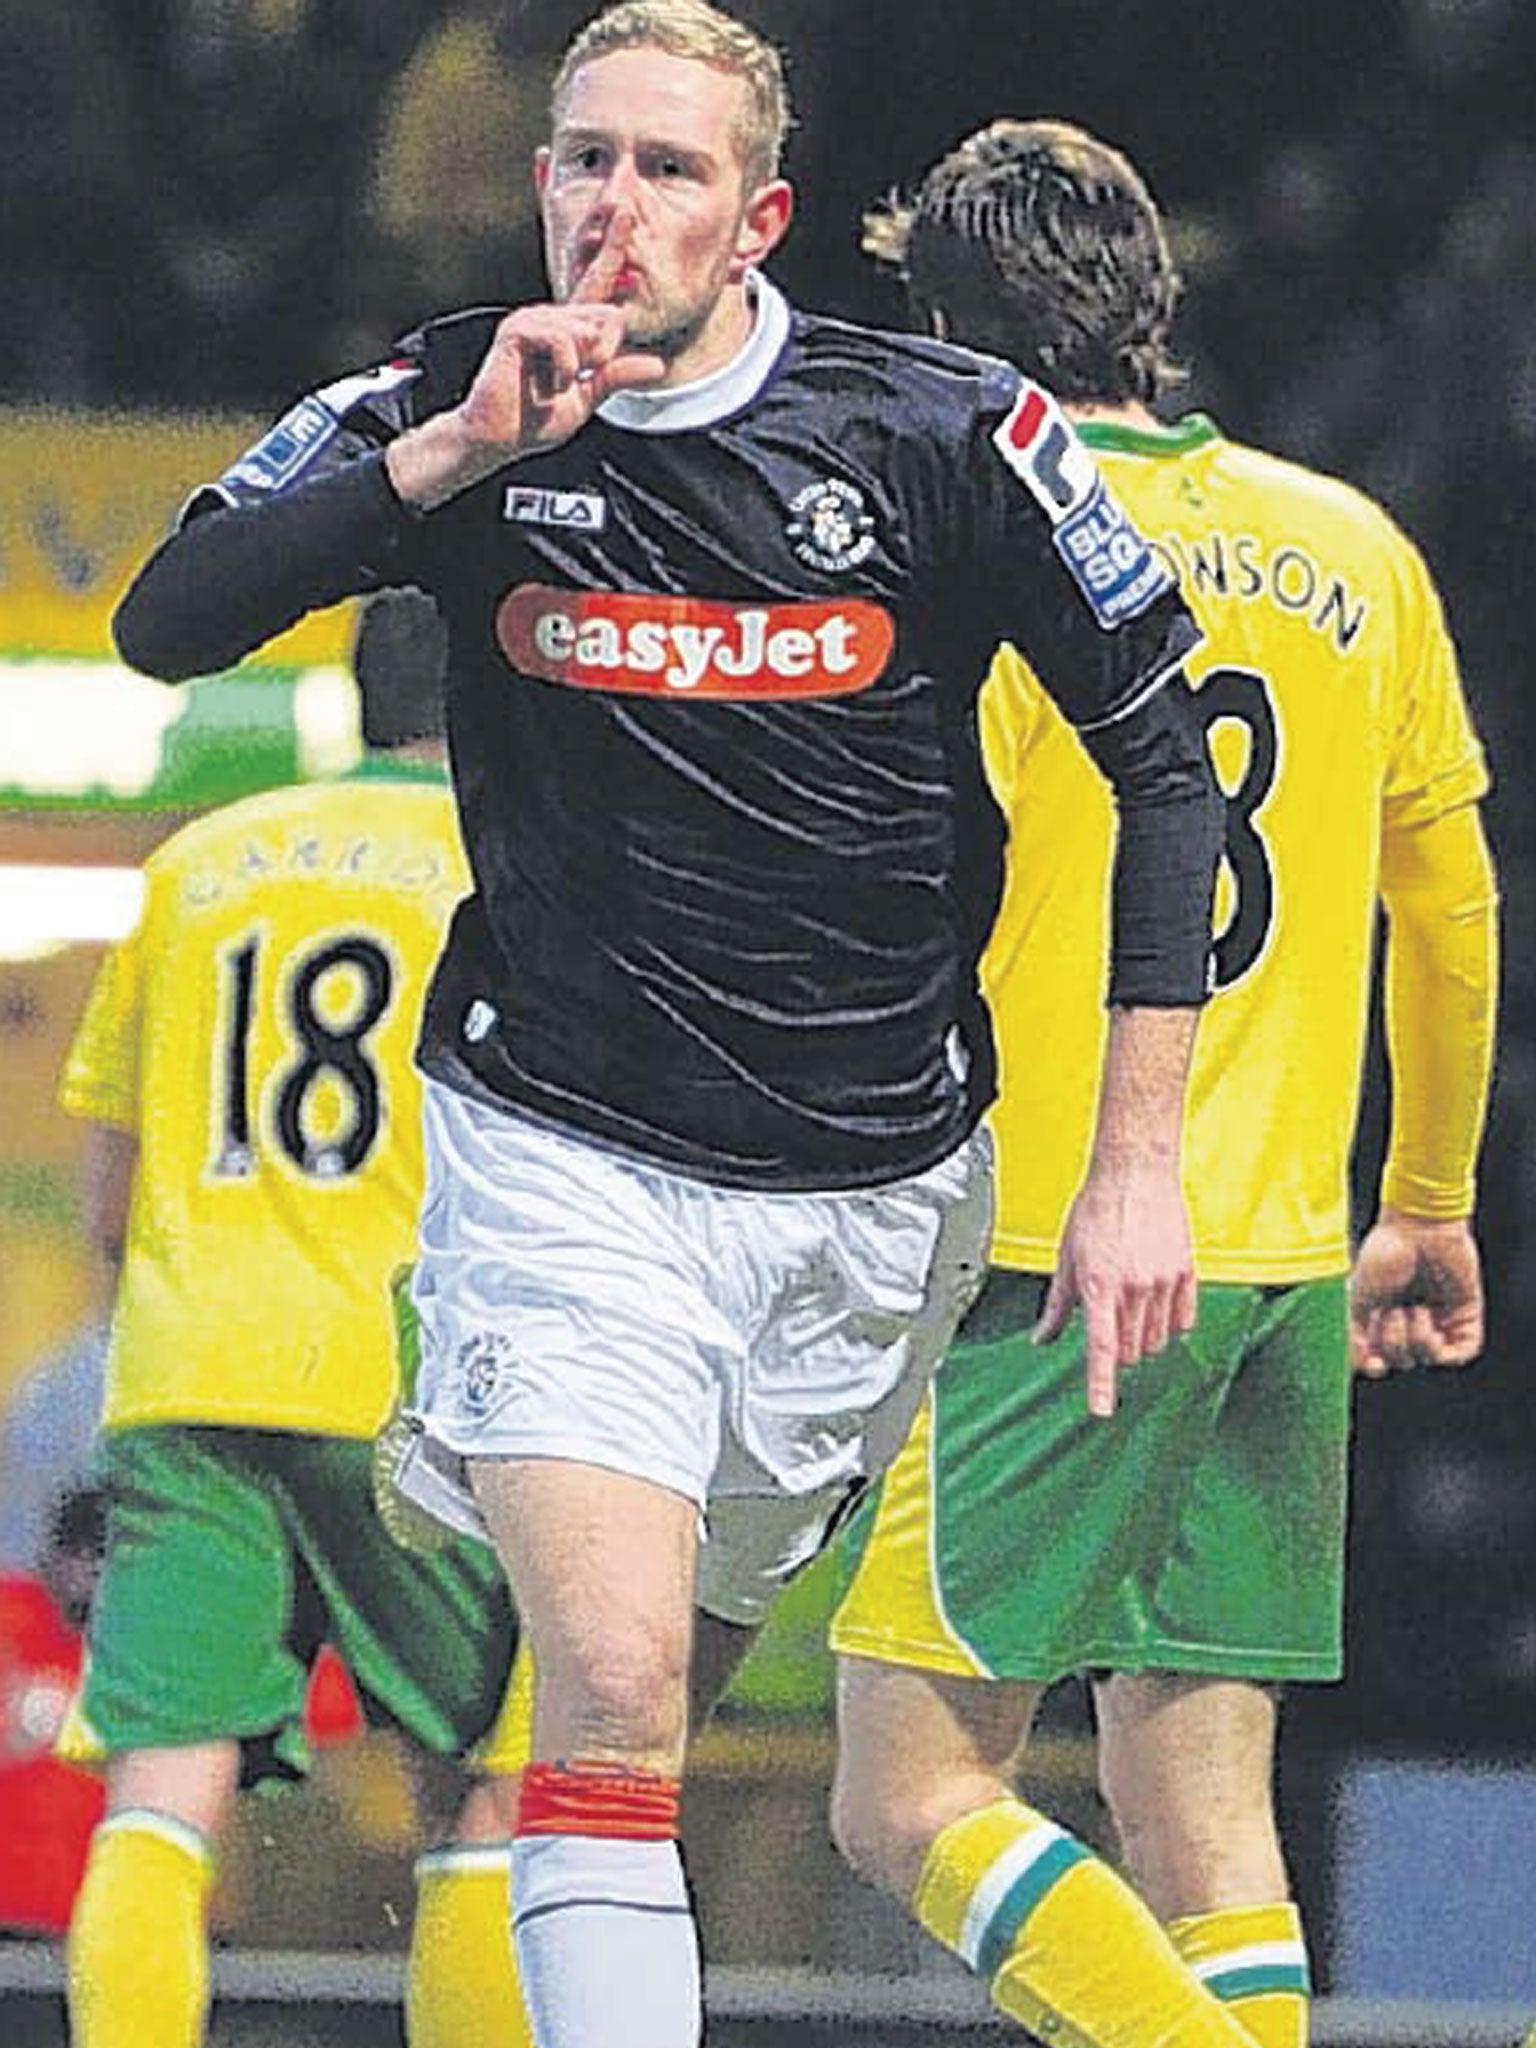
[534, 507]
[1114, 568]
[1038, 445]
[698, 647]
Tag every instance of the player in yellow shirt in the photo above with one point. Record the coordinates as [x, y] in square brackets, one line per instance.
[1187, 1551]
[246, 1060]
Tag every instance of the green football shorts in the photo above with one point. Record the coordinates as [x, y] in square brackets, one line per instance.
[1199, 1529]
[232, 1554]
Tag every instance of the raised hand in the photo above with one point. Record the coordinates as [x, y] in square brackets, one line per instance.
[547, 370]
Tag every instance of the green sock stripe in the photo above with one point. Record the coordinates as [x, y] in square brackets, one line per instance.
[1021, 1899]
[1258, 1979]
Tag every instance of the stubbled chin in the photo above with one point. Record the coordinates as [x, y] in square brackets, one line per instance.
[640, 320]
[650, 334]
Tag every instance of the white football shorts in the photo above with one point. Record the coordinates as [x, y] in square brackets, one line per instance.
[761, 1354]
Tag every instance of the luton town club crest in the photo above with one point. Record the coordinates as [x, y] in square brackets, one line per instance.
[482, 1361]
[831, 528]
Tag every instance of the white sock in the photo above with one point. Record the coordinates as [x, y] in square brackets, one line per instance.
[607, 1949]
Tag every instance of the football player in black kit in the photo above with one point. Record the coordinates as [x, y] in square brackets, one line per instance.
[706, 1059]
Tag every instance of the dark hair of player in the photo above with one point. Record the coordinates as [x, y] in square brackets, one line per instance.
[1035, 241]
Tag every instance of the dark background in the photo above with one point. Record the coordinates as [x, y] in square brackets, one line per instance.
[216, 204]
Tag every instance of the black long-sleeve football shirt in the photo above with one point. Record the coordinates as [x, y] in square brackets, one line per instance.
[712, 682]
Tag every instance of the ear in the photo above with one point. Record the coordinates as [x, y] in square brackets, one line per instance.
[541, 168]
[764, 224]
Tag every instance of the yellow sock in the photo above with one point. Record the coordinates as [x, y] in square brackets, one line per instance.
[138, 1940]
[1068, 1948]
[1254, 1959]
[508, 1744]
[461, 1988]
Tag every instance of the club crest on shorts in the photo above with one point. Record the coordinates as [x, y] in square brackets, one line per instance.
[483, 1361]
[832, 527]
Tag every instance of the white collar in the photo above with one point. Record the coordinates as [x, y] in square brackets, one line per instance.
[673, 408]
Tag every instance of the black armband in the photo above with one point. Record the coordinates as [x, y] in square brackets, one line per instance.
[235, 577]
[1172, 822]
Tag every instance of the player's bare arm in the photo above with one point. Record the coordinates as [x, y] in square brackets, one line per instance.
[548, 369]
[1125, 1254]
[111, 1156]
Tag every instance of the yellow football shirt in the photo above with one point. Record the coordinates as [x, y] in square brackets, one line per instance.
[256, 1035]
[1335, 715]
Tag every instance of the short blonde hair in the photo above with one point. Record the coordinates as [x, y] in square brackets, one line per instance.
[692, 28]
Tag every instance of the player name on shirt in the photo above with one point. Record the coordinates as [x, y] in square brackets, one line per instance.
[400, 864]
[1290, 578]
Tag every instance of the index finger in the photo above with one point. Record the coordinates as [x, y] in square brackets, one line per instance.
[1102, 1356]
[597, 280]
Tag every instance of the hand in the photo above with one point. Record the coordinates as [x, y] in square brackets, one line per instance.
[1126, 1258]
[1415, 1296]
[547, 370]
[550, 367]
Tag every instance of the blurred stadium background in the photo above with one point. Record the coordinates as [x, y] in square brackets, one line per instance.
[208, 206]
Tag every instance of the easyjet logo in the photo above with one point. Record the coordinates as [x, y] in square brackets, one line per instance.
[693, 646]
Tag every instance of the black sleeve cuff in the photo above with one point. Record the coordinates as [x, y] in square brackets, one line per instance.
[1163, 897]
[1172, 822]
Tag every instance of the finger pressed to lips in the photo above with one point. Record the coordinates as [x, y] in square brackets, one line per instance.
[605, 262]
